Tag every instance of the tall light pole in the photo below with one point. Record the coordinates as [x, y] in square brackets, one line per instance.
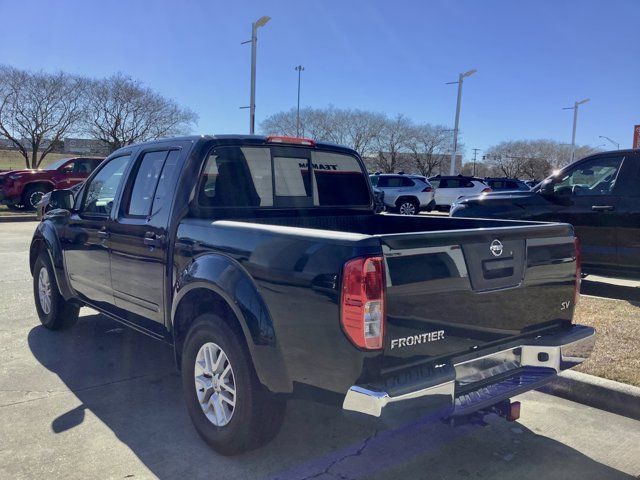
[252, 97]
[461, 78]
[613, 142]
[475, 154]
[299, 69]
[575, 122]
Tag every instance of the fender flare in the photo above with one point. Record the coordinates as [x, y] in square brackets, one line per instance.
[47, 236]
[226, 278]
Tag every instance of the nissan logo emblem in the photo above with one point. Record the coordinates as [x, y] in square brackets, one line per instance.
[496, 248]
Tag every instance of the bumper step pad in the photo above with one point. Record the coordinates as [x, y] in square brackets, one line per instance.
[525, 379]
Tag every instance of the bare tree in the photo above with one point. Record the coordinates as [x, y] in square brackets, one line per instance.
[38, 109]
[531, 158]
[391, 144]
[354, 128]
[121, 111]
[427, 145]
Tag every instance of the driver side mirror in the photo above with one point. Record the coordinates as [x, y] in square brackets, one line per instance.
[61, 199]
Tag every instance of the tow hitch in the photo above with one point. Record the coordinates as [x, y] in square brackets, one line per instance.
[507, 409]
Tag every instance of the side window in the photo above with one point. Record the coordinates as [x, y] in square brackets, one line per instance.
[394, 182]
[467, 183]
[163, 188]
[435, 183]
[374, 180]
[383, 182]
[594, 177]
[145, 183]
[407, 182]
[82, 166]
[102, 190]
[67, 168]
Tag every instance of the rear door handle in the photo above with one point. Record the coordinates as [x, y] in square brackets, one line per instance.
[153, 240]
[602, 208]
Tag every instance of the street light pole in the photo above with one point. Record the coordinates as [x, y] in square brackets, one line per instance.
[575, 122]
[461, 78]
[299, 69]
[613, 142]
[252, 97]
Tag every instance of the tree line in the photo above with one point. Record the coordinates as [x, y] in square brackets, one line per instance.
[392, 144]
[38, 110]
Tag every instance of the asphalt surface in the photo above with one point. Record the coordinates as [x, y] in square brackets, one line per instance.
[101, 401]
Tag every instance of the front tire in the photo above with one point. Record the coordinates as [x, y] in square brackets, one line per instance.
[54, 311]
[228, 406]
[33, 195]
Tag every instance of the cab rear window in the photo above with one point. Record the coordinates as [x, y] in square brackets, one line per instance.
[276, 178]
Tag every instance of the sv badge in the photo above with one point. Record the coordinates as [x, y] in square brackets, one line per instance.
[565, 305]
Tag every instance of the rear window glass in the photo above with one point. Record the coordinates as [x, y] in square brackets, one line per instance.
[251, 177]
[339, 180]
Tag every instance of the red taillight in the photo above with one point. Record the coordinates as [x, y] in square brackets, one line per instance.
[362, 301]
[428, 189]
[292, 140]
[486, 190]
[576, 291]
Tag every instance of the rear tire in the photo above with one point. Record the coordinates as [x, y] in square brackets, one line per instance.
[54, 311]
[407, 206]
[231, 411]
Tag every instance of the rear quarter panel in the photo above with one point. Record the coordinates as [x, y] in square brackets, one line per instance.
[296, 274]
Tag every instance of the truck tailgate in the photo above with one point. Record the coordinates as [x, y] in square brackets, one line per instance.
[454, 292]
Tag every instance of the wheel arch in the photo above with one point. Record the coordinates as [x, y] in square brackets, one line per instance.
[45, 239]
[216, 283]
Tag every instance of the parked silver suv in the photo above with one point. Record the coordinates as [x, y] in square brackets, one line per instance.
[405, 194]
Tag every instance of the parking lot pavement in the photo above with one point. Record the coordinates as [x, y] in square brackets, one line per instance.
[100, 401]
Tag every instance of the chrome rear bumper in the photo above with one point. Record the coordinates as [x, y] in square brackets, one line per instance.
[550, 354]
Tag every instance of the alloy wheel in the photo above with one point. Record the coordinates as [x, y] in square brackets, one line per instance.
[44, 290]
[215, 384]
[407, 208]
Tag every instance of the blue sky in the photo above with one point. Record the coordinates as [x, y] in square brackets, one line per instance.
[533, 58]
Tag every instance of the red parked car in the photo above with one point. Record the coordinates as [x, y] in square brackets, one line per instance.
[24, 188]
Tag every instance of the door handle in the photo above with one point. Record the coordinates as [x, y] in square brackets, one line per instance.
[602, 208]
[153, 240]
[103, 234]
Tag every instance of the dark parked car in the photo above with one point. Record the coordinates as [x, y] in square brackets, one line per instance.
[506, 184]
[262, 262]
[25, 188]
[599, 195]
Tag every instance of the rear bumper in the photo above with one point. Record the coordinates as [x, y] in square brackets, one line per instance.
[480, 382]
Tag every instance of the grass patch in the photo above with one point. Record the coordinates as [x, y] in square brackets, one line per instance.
[616, 353]
[12, 160]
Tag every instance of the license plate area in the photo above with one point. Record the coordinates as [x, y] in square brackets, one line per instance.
[483, 368]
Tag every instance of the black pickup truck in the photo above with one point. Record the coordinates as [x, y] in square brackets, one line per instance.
[263, 263]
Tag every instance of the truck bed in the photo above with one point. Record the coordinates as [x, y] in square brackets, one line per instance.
[440, 277]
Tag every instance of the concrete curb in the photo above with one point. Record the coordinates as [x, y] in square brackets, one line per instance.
[18, 218]
[596, 392]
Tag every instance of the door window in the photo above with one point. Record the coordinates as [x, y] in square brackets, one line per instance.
[83, 166]
[145, 183]
[594, 177]
[102, 189]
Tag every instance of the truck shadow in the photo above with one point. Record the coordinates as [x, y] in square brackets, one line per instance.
[129, 382]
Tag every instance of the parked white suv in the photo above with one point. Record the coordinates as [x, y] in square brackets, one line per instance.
[449, 189]
[405, 194]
